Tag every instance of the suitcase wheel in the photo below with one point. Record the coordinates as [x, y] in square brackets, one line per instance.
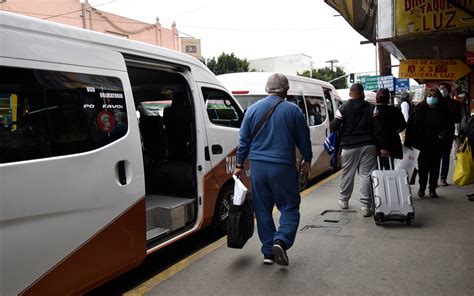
[378, 217]
[410, 218]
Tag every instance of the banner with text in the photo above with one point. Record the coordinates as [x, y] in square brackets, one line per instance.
[415, 17]
[433, 69]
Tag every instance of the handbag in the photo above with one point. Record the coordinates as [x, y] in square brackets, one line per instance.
[240, 226]
[409, 163]
[463, 170]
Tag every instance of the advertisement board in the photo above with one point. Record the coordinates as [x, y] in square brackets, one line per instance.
[415, 17]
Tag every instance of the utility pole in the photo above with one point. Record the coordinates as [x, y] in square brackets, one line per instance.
[83, 11]
[384, 61]
[332, 62]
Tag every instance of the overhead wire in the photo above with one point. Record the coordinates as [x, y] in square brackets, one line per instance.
[65, 13]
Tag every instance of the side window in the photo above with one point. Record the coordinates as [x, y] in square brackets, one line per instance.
[299, 101]
[316, 110]
[50, 113]
[221, 108]
[330, 106]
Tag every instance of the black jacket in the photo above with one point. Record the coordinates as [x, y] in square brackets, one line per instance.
[354, 122]
[454, 116]
[417, 127]
[387, 127]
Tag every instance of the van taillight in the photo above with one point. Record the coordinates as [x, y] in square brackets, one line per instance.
[240, 92]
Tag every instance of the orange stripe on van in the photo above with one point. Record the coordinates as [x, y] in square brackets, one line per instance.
[118, 247]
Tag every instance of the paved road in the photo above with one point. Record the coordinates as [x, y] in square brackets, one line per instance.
[345, 255]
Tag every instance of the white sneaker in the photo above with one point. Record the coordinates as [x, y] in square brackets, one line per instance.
[366, 212]
[344, 204]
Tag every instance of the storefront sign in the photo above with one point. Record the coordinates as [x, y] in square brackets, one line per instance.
[415, 16]
[361, 15]
[470, 50]
[433, 69]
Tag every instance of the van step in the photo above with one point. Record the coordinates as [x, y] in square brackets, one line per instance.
[168, 212]
[156, 232]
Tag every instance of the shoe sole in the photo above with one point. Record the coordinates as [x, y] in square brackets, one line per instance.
[343, 207]
[280, 257]
[268, 262]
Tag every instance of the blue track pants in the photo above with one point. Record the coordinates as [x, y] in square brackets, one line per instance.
[275, 184]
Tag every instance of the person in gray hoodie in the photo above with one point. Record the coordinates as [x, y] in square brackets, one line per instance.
[355, 122]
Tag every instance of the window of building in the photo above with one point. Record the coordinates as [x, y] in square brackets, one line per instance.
[221, 108]
[316, 110]
[117, 34]
[50, 113]
[191, 48]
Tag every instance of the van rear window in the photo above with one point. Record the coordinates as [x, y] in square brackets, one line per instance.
[49, 113]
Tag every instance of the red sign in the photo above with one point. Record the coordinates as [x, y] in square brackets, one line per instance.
[106, 121]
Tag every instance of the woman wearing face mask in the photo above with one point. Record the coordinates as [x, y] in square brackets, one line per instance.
[428, 130]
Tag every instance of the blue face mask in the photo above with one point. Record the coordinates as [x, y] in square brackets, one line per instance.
[432, 101]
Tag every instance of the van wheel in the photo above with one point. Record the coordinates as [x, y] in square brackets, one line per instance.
[221, 212]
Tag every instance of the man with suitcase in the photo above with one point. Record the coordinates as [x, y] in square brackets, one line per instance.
[354, 121]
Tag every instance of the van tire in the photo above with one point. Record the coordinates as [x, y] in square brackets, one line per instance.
[221, 211]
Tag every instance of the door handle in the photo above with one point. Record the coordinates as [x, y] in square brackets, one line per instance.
[326, 132]
[216, 149]
[121, 172]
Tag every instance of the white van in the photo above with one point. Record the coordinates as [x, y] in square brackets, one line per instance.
[318, 100]
[110, 149]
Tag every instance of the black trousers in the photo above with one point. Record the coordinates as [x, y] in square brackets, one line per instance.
[428, 165]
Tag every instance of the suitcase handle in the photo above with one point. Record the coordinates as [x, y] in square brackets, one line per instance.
[379, 161]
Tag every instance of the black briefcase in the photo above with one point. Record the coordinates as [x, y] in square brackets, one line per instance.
[240, 225]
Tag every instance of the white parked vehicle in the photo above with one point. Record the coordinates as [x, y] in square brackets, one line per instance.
[370, 96]
[110, 149]
[318, 100]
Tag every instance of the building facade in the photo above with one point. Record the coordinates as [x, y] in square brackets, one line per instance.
[83, 15]
[191, 46]
[288, 64]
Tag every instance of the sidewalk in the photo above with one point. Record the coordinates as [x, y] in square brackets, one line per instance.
[343, 253]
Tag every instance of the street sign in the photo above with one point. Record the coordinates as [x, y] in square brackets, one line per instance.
[387, 82]
[433, 69]
[376, 82]
[370, 82]
[402, 84]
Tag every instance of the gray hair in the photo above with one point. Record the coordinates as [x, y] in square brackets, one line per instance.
[277, 83]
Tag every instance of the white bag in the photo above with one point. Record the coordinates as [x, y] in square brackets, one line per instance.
[409, 162]
[240, 191]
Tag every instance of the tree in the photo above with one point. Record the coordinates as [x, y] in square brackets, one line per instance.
[326, 74]
[227, 63]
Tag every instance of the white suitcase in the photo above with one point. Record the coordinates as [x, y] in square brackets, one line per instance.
[392, 196]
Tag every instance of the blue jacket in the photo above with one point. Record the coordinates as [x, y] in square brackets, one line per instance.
[276, 142]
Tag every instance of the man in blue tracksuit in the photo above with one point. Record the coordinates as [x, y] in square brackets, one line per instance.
[273, 173]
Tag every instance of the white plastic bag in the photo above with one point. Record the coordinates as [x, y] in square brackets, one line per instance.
[240, 191]
[409, 161]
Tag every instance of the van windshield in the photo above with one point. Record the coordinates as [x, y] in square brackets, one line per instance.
[246, 101]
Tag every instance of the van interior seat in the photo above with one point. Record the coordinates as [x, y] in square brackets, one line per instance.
[177, 120]
[153, 136]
